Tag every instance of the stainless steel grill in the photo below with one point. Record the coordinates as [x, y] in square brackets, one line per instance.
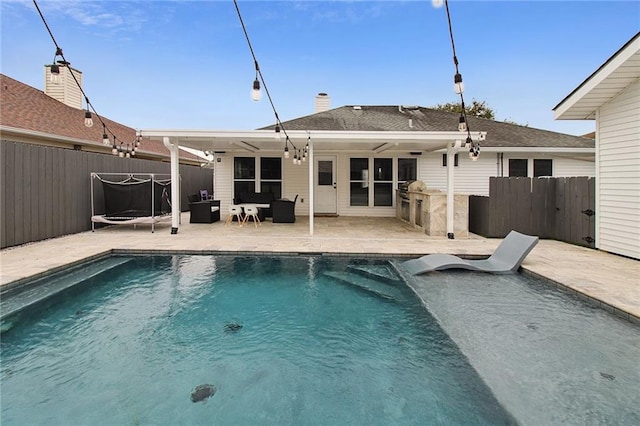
[410, 186]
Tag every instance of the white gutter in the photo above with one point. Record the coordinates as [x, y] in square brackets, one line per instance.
[175, 183]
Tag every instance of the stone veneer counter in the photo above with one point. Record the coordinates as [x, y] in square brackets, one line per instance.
[428, 210]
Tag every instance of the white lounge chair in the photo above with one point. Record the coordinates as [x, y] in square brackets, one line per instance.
[506, 259]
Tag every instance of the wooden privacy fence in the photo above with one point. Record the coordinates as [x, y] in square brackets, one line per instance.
[45, 191]
[555, 208]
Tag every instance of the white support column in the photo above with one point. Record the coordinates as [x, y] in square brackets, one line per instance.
[175, 184]
[451, 153]
[311, 187]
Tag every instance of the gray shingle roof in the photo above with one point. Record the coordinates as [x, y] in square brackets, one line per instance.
[396, 118]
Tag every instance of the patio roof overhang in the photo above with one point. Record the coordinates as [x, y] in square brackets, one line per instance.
[257, 141]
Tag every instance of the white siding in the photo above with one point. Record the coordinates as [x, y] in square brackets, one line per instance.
[470, 177]
[295, 181]
[66, 91]
[223, 183]
[618, 182]
[569, 167]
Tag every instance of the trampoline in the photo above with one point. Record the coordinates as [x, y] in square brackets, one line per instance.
[130, 199]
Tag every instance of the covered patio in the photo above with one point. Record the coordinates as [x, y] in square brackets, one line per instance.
[319, 142]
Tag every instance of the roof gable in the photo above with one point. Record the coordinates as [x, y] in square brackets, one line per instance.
[619, 71]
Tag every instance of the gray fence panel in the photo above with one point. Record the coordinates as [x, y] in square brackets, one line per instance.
[46, 191]
[557, 208]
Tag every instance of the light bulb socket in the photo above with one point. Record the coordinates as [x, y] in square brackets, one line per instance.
[458, 85]
[88, 121]
[256, 94]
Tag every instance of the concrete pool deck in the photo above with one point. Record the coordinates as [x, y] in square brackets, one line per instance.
[608, 280]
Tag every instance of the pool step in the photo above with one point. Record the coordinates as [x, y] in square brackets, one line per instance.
[371, 286]
[384, 273]
[18, 298]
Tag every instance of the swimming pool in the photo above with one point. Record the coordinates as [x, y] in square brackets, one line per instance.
[283, 340]
[323, 340]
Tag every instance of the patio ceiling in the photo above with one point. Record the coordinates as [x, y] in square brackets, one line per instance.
[257, 141]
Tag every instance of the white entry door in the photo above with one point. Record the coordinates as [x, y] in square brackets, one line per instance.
[325, 192]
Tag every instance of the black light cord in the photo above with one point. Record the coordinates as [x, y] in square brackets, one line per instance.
[264, 84]
[86, 98]
[475, 146]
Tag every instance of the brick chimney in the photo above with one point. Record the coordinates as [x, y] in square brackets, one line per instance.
[65, 90]
[322, 102]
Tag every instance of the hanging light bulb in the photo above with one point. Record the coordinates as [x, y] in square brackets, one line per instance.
[278, 133]
[114, 149]
[105, 137]
[54, 74]
[304, 156]
[133, 152]
[295, 157]
[299, 159]
[458, 85]
[286, 151]
[256, 94]
[462, 124]
[468, 142]
[88, 121]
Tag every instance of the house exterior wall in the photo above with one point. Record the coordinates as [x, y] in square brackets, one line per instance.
[618, 179]
[471, 177]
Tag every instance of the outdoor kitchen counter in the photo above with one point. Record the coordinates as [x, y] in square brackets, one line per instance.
[428, 210]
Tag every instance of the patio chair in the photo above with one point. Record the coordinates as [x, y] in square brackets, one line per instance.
[207, 211]
[506, 259]
[235, 212]
[251, 211]
[283, 210]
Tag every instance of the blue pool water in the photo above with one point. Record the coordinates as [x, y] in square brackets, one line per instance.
[324, 340]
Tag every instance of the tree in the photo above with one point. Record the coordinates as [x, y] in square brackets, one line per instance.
[476, 109]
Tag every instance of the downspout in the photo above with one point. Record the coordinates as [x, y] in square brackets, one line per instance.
[175, 184]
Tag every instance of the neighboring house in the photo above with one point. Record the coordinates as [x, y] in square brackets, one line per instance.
[361, 153]
[32, 116]
[611, 97]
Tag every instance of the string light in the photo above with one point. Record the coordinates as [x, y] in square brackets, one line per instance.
[105, 137]
[279, 127]
[54, 77]
[458, 86]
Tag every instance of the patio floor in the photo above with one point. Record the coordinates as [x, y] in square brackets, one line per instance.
[608, 280]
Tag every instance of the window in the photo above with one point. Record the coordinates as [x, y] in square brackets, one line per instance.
[517, 167]
[444, 160]
[244, 175]
[359, 181]
[271, 175]
[407, 169]
[542, 168]
[383, 182]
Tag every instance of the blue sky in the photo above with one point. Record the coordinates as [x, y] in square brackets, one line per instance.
[187, 65]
